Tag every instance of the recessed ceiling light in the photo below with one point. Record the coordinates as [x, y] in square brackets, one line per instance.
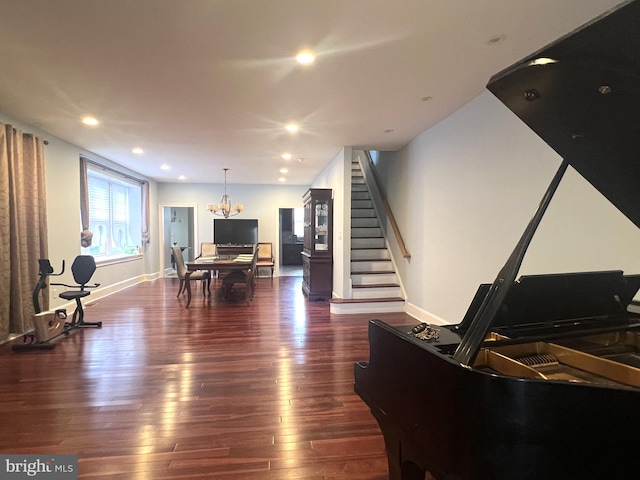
[388, 130]
[138, 151]
[164, 166]
[282, 179]
[300, 159]
[182, 177]
[283, 170]
[496, 39]
[286, 156]
[305, 57]
[426, 98]
[91, 121]
[292, 127]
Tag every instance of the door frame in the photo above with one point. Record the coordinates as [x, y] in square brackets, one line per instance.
[161, 227]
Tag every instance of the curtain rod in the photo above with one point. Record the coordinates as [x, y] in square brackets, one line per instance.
[113, 170]
[15, 130]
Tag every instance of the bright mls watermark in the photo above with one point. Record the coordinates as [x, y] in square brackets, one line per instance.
[50, 467]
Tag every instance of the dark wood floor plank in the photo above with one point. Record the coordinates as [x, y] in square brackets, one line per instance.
[221, 390]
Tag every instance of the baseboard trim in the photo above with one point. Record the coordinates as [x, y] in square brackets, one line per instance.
[424, 316]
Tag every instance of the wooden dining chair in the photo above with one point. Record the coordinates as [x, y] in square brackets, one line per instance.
[265, 256]
[208, 250]
[245, 279]
[181, 268]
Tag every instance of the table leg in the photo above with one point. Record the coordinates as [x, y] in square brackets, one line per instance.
[188, 287]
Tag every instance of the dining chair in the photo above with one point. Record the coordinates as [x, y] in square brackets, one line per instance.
[246, 279]
[181, 268]
[265, 256]
[208, 250]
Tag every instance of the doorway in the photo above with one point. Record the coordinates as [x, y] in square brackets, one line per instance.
[291, 236]
[177, 227]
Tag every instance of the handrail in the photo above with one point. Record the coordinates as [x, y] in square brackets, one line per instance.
[387, 207]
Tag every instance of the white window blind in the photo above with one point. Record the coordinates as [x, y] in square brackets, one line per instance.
[114, 215]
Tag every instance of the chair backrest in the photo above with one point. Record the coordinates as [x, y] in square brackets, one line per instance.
[265, 251]
[208, 249]
[251, 273]
[83, 268]
[256, 255]
[181, 268]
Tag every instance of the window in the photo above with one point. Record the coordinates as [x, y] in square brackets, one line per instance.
[115, 211]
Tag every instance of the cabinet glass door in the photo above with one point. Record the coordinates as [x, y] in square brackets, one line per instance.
[321, 227]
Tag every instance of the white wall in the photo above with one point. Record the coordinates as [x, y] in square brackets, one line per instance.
[337, 176]
[463, 193]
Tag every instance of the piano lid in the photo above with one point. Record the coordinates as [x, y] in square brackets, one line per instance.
[581, 95]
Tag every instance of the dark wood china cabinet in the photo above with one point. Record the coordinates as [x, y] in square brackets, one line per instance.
[317, 252]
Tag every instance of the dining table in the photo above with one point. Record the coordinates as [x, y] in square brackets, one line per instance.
[223, 264]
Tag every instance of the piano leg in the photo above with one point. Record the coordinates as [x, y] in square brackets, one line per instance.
[400, 467]
[402, 455]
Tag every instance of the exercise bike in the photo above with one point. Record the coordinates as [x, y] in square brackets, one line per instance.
[50, 325]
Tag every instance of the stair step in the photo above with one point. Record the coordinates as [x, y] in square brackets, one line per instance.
[364, 222]
[366, 305]
[359, 187]
[366, 232]
[361, 204]
[369, 253]
[360, 300]
[372, 278]
[380, 291]
[368, 242]
[365, 266]
[376, 272]
[362, 195]
[362, 212]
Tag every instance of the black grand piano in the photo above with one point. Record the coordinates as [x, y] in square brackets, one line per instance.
[541, 378]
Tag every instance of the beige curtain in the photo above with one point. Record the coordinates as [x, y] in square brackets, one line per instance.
[86, 237]
[146, 236]
[23, 227]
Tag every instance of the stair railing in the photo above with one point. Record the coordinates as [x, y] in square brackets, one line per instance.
[377, 190]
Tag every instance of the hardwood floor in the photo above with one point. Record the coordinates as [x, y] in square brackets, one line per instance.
[222, 390]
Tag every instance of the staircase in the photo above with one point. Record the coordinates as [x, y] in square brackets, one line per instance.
[375, 287]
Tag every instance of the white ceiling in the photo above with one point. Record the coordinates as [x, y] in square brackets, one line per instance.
[205, 84]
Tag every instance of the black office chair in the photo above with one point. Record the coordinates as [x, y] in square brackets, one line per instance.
[83, 268]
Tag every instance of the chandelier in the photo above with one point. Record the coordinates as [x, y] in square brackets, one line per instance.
[224, 208]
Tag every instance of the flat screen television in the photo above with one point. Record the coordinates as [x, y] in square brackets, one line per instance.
[233, 231]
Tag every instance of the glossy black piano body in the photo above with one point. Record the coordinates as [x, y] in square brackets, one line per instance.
[497, 420]
[541, 379]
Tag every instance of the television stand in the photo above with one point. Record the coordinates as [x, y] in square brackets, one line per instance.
[226, 249]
